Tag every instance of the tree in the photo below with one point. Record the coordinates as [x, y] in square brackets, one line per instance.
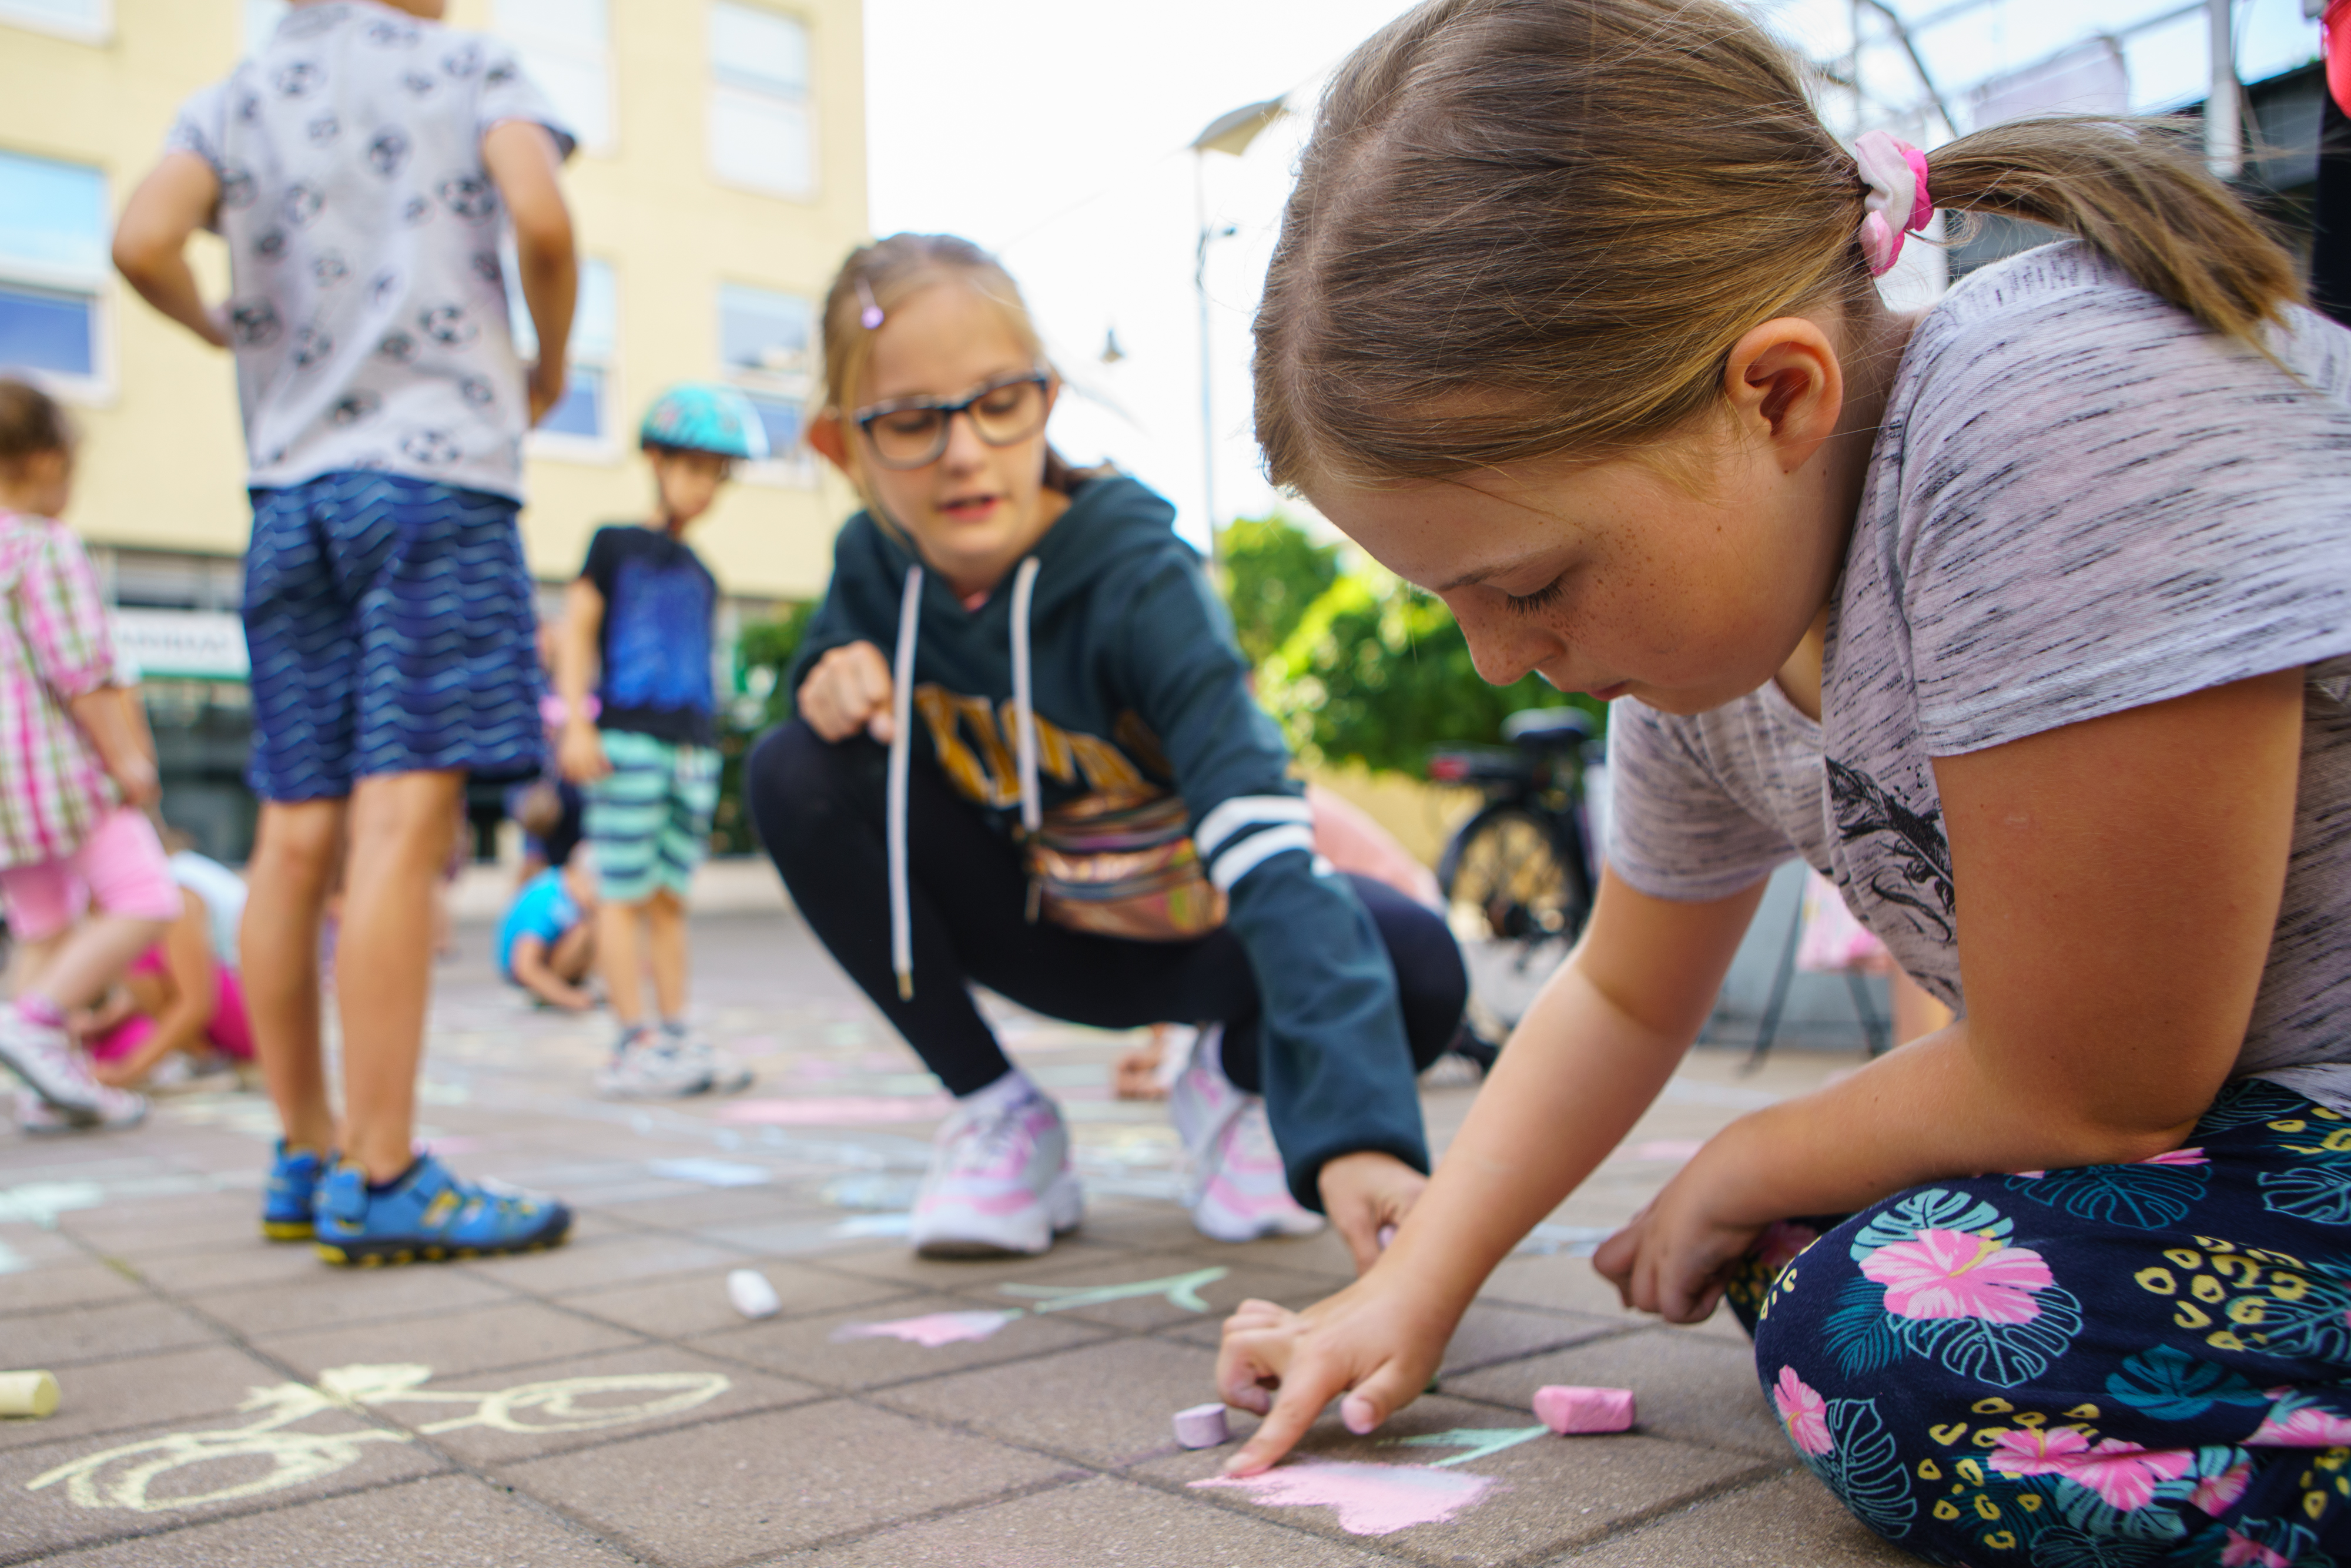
[1273, 574]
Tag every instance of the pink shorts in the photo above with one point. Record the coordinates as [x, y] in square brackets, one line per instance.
[120, 868]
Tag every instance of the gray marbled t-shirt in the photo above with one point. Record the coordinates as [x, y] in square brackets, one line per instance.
[2079, 503]
[368, 304]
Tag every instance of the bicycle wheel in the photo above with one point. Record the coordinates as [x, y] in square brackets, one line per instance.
[1517, 897]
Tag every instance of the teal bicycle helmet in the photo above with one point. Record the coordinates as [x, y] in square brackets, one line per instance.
[705, 416]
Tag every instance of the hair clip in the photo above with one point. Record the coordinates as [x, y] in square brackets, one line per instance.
[871, 315]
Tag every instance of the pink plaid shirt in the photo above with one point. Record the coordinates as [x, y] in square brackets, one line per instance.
[55, 645]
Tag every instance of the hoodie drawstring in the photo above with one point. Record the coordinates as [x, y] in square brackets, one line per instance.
[1024, 709]
[902, 726]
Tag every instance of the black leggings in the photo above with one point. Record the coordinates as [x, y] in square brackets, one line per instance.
[819, 807]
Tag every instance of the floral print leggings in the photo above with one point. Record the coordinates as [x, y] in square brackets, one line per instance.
[2097, 1368]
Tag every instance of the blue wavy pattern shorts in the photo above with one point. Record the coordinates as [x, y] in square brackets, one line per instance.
[2108, 1367]
[392, 628]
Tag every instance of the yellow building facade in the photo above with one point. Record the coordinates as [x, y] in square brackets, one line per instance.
[720, 180]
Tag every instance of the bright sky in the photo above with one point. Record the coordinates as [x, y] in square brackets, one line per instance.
[1054, 132]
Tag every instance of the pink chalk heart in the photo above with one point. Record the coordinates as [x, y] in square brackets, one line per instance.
[1370, 1499]
[1568, 1410]
[930, 1331]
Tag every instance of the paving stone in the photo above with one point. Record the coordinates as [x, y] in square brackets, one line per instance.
[144, 1227]
[114, 1500]
[722, 1206]
[697, 1304]
[140, 1390]
[897, 1261]
[28, 1246]
[1093, 1521]
[1240, 1281]
[65, 1336]
[1553, 1492]
[442, 1521]
[325, 1296]
[725, 1491]
[515, 1333]
[75, 1282]
[805, 1347]
[1789, 1520]
[239, 1266]
[583, 1401]
[615, 1260]
[1690, 1388]
[1065, 1403]
[1320, 1253]
[1571, 1284]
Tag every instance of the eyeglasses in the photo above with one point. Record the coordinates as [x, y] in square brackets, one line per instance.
[912, 433]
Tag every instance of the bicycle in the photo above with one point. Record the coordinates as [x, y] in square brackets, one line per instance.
[1518, 876]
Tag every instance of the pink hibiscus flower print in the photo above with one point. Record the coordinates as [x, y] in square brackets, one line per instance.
[1956, 1274]
[2124, 1475]
[2178, 1158]
[2306, 1427]
[2217, 1494]
[1804, 1411]
[2240, 1552]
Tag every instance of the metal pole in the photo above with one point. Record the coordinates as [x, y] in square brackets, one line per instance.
[2224, 130]
[1208, 360]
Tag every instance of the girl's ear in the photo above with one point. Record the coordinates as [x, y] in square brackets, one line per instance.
[827, 434]
[1785, 387]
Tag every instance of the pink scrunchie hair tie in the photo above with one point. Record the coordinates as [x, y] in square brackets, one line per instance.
[1896, 174]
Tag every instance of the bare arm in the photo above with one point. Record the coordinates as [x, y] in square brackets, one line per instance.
[2118, 885]
[522, 162]
[529, 962]
[580, 751]
[119, 735]
[150, 240]
[1584, 1064]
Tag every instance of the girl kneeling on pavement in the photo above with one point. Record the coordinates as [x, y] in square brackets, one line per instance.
[2025, 619]
[1026, 756]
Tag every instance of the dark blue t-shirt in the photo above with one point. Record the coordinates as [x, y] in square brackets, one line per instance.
[659, 603]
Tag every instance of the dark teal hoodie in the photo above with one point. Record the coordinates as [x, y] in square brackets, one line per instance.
[1134, 671]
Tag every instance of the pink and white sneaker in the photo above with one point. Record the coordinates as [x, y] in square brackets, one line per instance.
[1000, 1179]
[1236, 1188]
[44, 1057]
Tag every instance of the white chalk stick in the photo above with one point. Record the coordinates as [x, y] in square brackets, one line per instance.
[31, 1394]
[1568, 1410]
[752, 1295]
[1202, 1426]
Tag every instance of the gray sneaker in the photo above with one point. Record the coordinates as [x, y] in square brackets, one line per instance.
[728, 1076]
[645, 1066]
[46, 1060]
[116, 1109]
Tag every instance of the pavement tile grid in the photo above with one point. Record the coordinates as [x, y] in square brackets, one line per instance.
[228, 1401]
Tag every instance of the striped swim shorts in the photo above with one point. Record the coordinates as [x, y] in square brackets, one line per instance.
[648, 821]
[392, 630]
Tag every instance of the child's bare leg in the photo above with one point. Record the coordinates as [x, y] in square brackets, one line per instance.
[92, 955]
[296, 854]
[574, 952]
[28, 961]
[618, 959]
[666, 912]
[400, 827]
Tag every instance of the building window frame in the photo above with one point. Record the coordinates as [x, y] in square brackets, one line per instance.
[595, 353]
[779, 383]
[570, 48]
[735, 92]
[90, 284]
[34, 18]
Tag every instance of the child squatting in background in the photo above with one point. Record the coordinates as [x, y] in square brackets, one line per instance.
[645, 752]
[1057, 786]
[2026, 619]
[547, 939]
[74, 771]
[387, 607]
[180, 1005]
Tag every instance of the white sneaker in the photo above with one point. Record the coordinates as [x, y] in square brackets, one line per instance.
[116, 1109]
[726, 1075]
[45, 1058]
[642, 1066]
[1000, 1182]
[1234, 1186]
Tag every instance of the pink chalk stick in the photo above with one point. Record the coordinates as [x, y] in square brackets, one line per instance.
[1201, 1426]
[1387, 1234]
[1568, 1410]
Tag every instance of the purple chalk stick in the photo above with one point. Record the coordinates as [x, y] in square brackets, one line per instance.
[1202, 1426]
[1387, 1234]
[1568, 1410]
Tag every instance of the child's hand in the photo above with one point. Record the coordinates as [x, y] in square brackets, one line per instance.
[1364, 1193]
[135, 776]
[1374, 1337]
[847, 690]
[1672, 1257]
[545, 388]
[580, 753]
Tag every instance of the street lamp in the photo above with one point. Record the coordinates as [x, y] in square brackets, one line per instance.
[1229, 134]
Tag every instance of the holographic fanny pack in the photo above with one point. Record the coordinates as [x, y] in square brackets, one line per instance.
[1130, 871]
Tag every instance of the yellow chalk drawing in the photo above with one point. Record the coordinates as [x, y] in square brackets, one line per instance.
[121, 1478]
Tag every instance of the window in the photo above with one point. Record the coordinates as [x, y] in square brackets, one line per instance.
[261, 19]
[762, 133]
[53, 271]
[580, 425]
[766, 346]
[566, 49]
[86, 21]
